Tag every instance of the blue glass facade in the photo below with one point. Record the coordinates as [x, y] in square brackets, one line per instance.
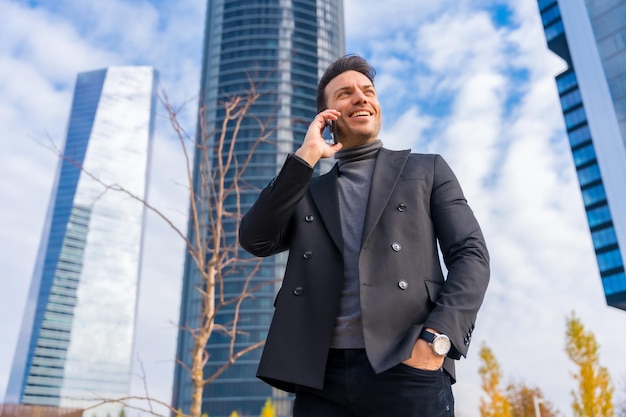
[76, 337]
[591, 37]
[283, 47]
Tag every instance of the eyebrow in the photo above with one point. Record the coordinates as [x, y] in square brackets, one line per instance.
[362, 87]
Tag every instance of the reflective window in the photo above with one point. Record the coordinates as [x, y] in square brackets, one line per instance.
[545, 3]
[609, 260]
[603, 238]
[588, 175]
[620, 108]
[579, 135]
[566, 81]
[575, 117]
[550, 14]
[614, 284]
[614, 65]
[554, 30]
[570, 100]
[598, 216]
[612, 17]
[594, 195]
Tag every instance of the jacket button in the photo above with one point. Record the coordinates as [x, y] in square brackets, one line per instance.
[403, 285]
[308, 254]
[396, 247]
[298, 291]
[401, 207]
[309, 218]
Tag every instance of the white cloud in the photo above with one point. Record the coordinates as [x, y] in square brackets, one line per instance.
[407, 131]
[50, 44]
[458, 44]
[371, 20]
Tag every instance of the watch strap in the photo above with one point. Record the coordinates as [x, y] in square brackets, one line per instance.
[428, 336]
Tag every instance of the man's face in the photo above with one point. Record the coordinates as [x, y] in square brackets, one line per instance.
[354, 95]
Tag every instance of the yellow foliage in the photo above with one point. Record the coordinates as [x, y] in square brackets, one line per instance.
[514, 400]
[595, 390]
[268, 409]
[529, 402]
[496, 404]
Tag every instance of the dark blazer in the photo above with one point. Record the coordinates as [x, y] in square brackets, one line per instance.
[415, 202]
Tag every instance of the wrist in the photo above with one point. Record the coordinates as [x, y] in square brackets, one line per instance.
[440, 343]
[307, 155]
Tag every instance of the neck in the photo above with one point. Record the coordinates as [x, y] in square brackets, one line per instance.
[358, 152]
[354, 142]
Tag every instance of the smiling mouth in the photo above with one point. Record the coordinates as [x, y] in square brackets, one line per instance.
[360, 113]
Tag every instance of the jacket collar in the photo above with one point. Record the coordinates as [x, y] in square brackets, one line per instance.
[324, 192]
[389, 166]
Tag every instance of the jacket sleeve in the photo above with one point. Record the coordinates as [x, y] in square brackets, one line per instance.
[466, 258]
[264, 229]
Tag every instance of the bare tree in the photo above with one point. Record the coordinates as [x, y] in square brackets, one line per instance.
[218, 180]
[214, 173]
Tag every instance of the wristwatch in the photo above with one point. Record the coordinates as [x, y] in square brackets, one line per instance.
[439, 342]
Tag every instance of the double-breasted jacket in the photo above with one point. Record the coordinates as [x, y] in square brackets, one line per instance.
[415, 205]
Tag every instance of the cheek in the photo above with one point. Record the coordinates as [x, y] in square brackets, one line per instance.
[340, 106]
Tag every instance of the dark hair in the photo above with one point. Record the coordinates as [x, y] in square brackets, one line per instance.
[351, 62]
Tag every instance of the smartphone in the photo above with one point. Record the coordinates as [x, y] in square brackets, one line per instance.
[332, 132]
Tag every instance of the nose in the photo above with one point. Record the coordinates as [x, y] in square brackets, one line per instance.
[359, 97]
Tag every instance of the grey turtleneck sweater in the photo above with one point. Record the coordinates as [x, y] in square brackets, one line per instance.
[353, 186]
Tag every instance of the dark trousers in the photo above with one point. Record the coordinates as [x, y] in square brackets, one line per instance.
[352, 389]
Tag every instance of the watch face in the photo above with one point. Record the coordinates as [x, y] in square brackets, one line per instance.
[441, 345]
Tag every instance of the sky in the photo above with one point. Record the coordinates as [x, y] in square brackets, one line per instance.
[469, 79]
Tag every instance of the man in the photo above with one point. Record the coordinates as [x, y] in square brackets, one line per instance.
[365, 323]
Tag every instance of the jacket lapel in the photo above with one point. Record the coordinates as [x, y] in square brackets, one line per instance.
[324, 193]
[389, 166]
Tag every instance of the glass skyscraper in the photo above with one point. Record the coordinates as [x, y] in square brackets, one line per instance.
[283, 47]
[76, 338]
[590, 36]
